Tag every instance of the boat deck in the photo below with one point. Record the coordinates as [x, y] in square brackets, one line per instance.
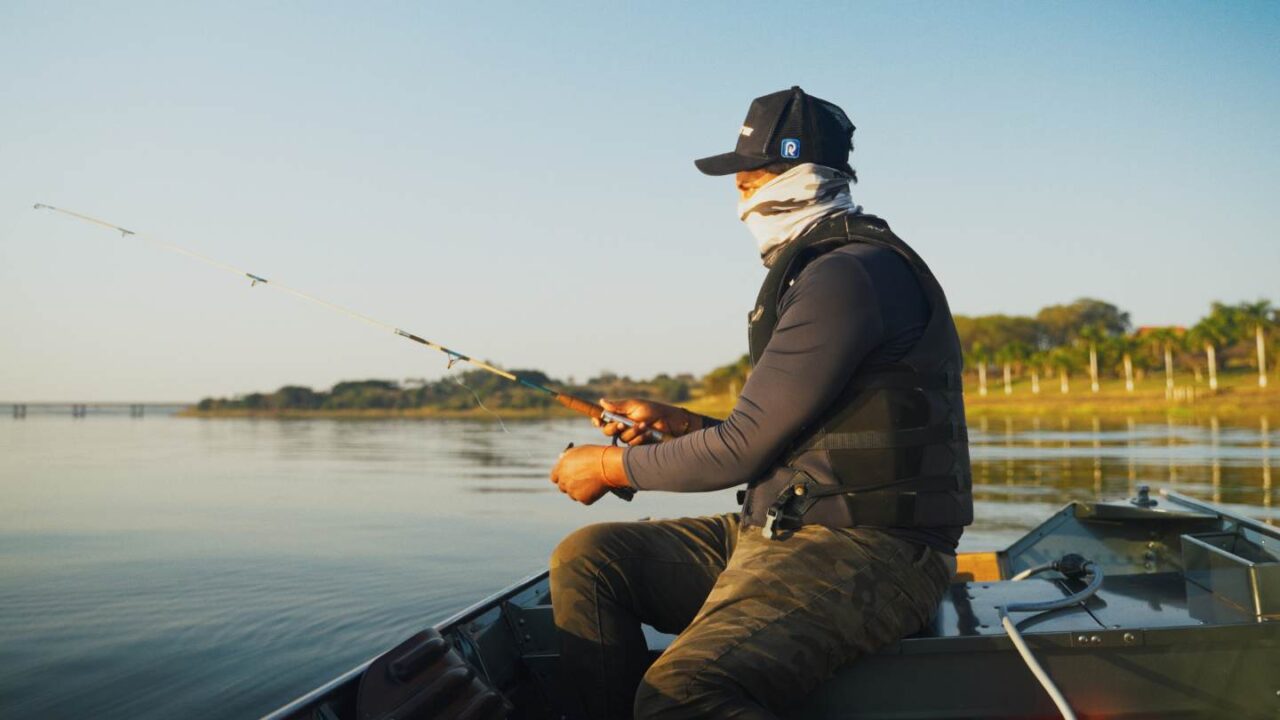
[1183, 625]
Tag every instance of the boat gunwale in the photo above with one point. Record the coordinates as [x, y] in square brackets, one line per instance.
[468, 613]
[1206, 507]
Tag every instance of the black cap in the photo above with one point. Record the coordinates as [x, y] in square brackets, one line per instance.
[789, 127]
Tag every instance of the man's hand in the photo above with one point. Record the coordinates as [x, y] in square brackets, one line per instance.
[586, 473]
[667, 419]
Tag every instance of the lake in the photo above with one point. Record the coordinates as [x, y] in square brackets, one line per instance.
[165, 567]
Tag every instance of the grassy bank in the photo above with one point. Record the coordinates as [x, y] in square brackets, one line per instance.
[1238, 395]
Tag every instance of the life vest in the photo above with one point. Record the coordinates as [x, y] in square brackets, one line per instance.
[895, 436]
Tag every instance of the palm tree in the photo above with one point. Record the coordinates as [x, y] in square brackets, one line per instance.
[1092, 335]
[1258, 316]
[1275, 339]
[1163, 340]
[1037, 361]
[981, 356]
[1213, 330]
[1063, 360]
[1124, 346]
[1014, 353]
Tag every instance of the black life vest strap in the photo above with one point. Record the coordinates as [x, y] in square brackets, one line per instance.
[906, 509]
[907, 380]
[878, 439]
[932, 496]
[928, 483]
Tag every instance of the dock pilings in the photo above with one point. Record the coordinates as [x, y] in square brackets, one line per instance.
[20, 410]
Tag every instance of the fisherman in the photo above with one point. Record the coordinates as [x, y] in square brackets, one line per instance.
[848, 438]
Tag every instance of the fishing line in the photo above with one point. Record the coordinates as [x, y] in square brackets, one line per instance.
[480, 402]
[255, 279]
[569, 401]
[573, 403]
[458, 381]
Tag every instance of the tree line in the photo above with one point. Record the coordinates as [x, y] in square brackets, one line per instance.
[455, 392]
[1095, 338]
[1087, 337]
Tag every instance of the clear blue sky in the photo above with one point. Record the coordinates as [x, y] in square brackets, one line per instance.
[516, 180]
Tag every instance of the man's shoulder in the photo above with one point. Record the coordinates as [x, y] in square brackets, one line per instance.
[862, 252]
[857, 259]
[860, 273]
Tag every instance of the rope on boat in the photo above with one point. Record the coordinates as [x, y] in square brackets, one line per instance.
[1069, 565]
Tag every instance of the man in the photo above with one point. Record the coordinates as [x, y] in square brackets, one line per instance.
[849, 437]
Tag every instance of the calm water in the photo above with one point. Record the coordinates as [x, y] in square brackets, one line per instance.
[165, 567]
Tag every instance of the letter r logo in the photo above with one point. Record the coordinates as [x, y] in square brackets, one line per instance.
[791, 148]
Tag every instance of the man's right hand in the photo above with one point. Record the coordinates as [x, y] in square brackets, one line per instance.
[667, 419]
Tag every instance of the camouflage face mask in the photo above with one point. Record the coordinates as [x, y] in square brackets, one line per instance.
[791, 203]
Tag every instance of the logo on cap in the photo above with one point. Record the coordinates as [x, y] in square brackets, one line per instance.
[746, 131]
[791, 148]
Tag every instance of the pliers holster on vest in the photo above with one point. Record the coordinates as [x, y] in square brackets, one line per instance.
[791, 504]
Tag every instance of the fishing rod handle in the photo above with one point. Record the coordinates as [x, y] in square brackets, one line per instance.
[591, 409]
[624, 420]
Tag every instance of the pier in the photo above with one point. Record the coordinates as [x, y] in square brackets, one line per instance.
[20, 410]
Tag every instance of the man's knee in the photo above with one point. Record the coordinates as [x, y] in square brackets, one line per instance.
[663, 693]
[589, 548]
[689, 685]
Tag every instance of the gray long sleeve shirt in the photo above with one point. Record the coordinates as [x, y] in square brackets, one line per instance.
[860, 306]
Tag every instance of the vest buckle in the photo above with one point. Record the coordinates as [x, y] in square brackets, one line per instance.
[780, 512]
[770, 521]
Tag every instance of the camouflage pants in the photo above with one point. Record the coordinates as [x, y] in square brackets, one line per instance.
[760, 622]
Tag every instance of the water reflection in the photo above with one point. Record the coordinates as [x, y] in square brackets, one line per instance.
[270, 555]
[1208, 459]
[1265, 432]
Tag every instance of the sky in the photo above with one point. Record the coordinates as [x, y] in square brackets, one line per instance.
[515, 180]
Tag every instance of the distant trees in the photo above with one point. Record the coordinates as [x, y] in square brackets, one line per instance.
[295, 396]
[457, 391]
[1063, 324]
[379, 394]
[1096, 336]
[666, 388]
[672, 389]
[727, 379]
[1058, 341]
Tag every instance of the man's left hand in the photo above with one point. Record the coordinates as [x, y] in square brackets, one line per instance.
[586, 473]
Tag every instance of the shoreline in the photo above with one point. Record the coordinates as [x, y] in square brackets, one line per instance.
[383, 414]
[1238, 396]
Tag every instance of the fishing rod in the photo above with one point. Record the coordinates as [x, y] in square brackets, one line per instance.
[576, 404]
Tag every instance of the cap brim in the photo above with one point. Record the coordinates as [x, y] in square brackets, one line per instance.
[729, 163]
